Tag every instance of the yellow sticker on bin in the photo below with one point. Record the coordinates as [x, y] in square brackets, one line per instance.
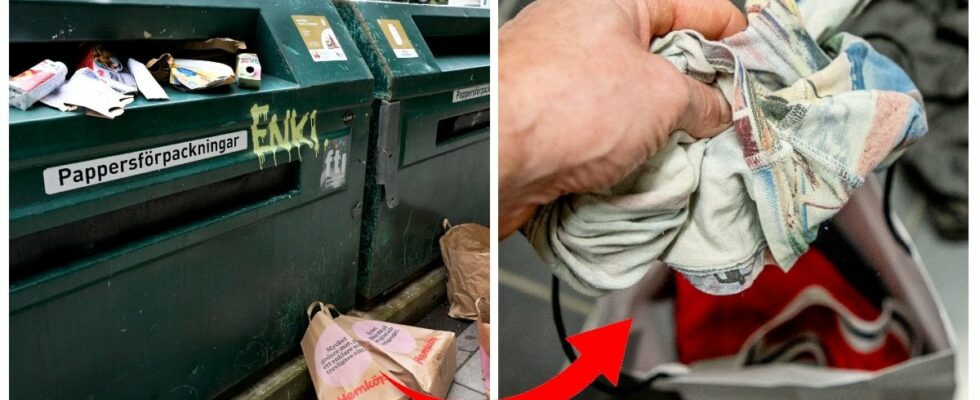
[401, 45]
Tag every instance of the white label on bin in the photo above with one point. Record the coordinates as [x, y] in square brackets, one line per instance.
[334, 173]
[93, 172]
[470, 93]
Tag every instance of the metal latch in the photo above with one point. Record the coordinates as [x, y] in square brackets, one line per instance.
[389, 147]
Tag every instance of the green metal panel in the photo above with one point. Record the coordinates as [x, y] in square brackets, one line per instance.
[183, 282]
[435, 178]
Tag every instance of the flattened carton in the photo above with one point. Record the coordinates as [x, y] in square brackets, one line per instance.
[424, 359]
[341, 368]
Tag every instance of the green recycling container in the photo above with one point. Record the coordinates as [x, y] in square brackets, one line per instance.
[171, 252]
[430, 149]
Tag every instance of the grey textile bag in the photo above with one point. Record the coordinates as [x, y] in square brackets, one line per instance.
[928, 376]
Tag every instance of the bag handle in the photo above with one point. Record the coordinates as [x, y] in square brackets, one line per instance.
[309, 310]
[446, 226]
[479, 309]
[330, 309]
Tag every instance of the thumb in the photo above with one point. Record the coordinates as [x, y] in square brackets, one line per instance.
[707, 112]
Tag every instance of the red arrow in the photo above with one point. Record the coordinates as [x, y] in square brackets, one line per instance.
[601, 353]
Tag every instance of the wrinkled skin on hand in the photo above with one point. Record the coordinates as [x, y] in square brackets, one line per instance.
[583, 102]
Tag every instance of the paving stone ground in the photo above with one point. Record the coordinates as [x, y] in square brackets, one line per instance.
[468, 382]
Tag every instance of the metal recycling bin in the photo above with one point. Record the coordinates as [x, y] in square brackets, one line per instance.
[430, 148]
[171, 252]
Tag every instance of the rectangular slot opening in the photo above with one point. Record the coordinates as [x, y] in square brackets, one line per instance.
[65, 32]
[83, 21]
[456, 42]
[460, 126]
[52, 248]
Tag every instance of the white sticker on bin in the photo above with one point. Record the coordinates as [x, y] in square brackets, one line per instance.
[93, 172]
[470, 93]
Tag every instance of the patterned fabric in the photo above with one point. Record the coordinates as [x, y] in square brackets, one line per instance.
[932, 45]
[809, 123]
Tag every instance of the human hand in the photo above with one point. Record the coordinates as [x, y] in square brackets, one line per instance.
[584, 102]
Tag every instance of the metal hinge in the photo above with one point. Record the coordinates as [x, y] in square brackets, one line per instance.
[389, 133]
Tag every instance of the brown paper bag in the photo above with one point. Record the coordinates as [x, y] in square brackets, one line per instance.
[483, 331]
[466, 252]
[341, 368]
[424, 359]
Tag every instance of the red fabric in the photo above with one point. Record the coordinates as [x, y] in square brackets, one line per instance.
[709, 326]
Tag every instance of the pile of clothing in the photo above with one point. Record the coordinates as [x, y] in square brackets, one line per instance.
[759, 275]
[814, 113]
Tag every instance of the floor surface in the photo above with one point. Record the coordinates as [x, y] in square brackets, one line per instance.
[468, 382]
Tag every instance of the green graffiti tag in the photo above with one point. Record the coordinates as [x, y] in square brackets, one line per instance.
[270, 134]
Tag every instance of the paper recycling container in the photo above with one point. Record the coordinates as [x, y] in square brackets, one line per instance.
[136, 275]
[430, 148]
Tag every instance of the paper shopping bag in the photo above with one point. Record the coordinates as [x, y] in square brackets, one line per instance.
[466, 252]
[424, 359]
[341, 368]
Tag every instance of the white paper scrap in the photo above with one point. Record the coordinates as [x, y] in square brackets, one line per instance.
[57, 99]
[145, 82]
